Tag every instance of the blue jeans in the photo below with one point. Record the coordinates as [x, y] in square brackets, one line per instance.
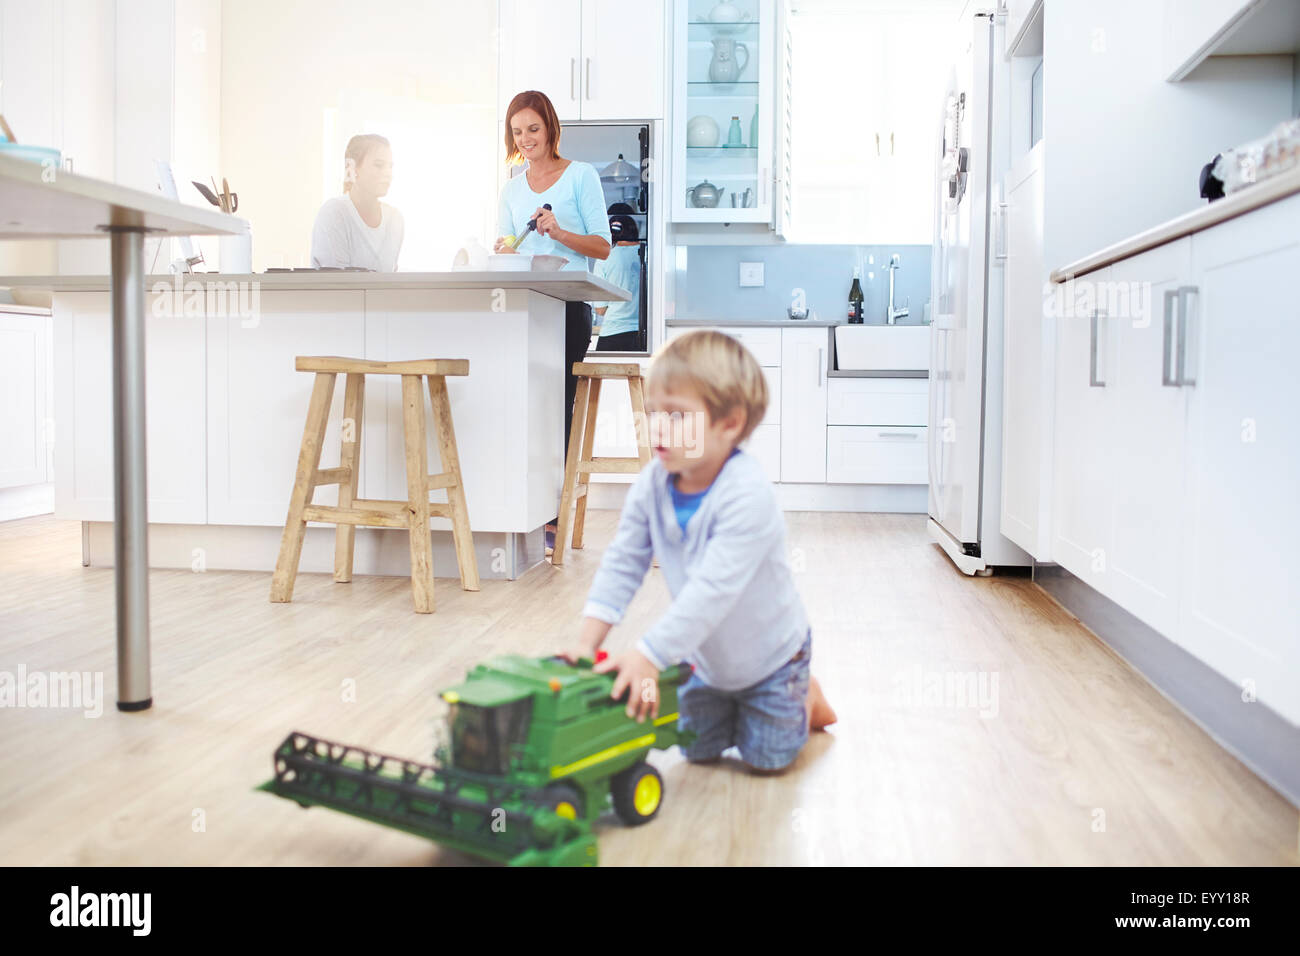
[768, 721]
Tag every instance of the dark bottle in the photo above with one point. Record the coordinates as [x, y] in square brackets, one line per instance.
[855, 300]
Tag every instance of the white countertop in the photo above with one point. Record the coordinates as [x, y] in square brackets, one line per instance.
[1243, 201]
[51, 203]
[570, 286]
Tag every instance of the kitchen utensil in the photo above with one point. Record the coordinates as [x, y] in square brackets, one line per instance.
[701, 131]
[723, 68]
[8, 133]
[704, 195]
[532, 224]
[229, 201]
[546, 263]
[207, 193]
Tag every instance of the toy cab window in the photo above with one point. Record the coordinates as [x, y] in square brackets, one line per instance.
[482, 737]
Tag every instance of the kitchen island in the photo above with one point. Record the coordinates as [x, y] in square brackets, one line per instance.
[226, 408]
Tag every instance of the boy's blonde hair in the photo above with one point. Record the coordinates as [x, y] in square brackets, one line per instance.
[719, 368]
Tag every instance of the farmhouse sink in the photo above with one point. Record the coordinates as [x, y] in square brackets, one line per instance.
[883, 347]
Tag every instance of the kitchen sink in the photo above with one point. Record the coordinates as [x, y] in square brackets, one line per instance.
[883, 347]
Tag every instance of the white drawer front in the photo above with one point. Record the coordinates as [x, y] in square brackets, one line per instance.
[878, 401]
[861, 455]
[763, 342]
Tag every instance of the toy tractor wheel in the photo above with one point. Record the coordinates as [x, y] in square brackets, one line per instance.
[638, 792]
[564, 798]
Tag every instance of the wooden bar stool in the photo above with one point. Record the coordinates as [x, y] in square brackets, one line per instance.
[577, 467]
[412, 514]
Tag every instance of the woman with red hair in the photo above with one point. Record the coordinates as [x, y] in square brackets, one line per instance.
[575, 227]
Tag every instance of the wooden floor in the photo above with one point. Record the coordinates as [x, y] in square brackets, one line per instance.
[1075, 760]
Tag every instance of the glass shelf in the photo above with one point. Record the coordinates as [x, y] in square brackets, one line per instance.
[719, 149]
[727, 27]
[741, 87]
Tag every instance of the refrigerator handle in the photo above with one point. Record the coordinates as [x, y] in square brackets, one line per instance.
[573, 66]
[821, 366]
[1093, 381]
[1001, 250]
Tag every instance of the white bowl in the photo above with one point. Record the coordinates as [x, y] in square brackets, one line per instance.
[545, 263]
[509, 262]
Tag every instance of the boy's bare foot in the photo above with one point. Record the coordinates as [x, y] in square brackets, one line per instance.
[820, 713]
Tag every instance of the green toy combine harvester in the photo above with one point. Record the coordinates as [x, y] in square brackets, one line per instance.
[537, 751]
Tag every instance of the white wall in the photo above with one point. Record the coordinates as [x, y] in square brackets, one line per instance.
[116, 85]
[299, 78]
[1124, 148]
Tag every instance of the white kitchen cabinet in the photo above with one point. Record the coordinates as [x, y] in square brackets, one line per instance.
[1241, 518]
[765, 445]
[1175, 451]
[877, 455]
[878, 172]
[1193, 28]
[254, 432]
[842, 430]
[1083, 477]
[1145, 440]
[25, 422]
[743, 172]
[803, 404]
[1029, 341]
[541, 49]
[878, 401]
[174, 397]
[763, 343]
[622, 59]
[905, 141]
[595, 59]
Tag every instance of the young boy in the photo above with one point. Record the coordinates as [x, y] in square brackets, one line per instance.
[707, 511]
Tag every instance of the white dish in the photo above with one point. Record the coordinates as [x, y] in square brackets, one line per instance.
[545, 263]
[509, 262]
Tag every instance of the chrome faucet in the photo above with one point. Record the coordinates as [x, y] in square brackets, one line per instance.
[894, 314]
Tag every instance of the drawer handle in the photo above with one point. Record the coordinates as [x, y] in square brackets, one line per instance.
[1093, 380]
[898, 434]
[1185, 316]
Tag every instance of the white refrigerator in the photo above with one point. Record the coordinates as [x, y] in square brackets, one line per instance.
[965, 421]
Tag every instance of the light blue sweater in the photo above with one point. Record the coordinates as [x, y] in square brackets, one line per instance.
[735, 615]
[577, 199]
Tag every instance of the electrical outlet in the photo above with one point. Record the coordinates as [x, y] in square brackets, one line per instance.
[751, 274]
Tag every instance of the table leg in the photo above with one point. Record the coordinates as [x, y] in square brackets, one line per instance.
[130, 509]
